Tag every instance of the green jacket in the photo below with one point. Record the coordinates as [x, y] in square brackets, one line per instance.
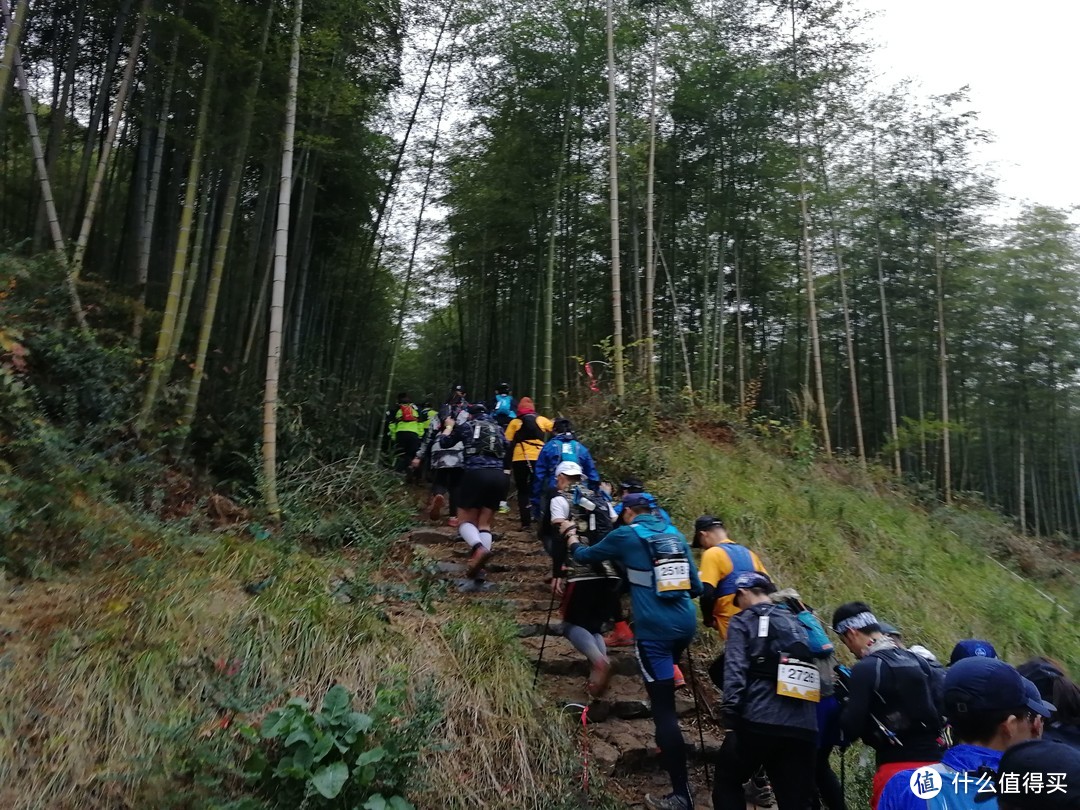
[417, 425]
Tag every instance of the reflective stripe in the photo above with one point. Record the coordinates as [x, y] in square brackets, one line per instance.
[643, 579]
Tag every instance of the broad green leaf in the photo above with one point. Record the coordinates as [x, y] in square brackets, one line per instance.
[337, 702]
[376, 802]
[398, 803]
[322, 747]
[330, 779]
[302, 734]
[374, 755]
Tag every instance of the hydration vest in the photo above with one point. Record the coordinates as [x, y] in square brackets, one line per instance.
[741, 562]
[589, 514]
[504, 406]
[669, 574]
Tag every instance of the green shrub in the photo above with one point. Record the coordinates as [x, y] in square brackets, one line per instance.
[338, 757]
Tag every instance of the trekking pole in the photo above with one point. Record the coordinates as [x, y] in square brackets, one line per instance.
[697, 712]
[543, 640]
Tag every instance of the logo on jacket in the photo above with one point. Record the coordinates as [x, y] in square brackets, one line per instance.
[925, 783]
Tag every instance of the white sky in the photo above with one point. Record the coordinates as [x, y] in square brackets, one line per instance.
[1020, 60]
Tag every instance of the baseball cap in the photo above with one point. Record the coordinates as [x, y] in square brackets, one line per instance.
[754, 579]
[632, 485]
[889, 629]
[637, 500]
[970, 647]
[703, 524]
[979, 684]
[459, 389]
[1043, 674]
[1040, 756]
[568, 468]
[477, 408]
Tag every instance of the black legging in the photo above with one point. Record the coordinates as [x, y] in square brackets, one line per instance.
[446, 481]
[830, 791]
[669, 738]
[523, 475]
[789, 762]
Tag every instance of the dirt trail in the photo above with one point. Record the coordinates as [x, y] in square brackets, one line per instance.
[621, 744]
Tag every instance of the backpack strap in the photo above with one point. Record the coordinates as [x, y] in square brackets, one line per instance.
[741, 561]
[637, 576]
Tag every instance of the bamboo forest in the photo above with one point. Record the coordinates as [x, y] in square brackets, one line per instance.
[308, 207]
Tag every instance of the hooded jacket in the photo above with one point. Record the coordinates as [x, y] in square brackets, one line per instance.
[548, 461]
[957, 761]
[655, 619]
[751, 700]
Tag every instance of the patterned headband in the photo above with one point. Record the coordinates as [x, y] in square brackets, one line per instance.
[856, 622]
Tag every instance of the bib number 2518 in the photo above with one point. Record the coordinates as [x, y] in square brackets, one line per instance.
[672, 576]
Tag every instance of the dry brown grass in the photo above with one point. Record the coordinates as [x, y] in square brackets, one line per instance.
[101, 669]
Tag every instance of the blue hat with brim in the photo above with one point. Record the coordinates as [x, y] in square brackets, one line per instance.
[970, 648]
[979, 685]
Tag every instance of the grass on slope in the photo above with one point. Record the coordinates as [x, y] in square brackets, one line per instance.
[930, 573]
[124, 686]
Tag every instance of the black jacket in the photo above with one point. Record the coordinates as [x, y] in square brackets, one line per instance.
[902, 691]
[750, 698]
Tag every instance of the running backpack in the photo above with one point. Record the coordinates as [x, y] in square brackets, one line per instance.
[780, 653]
[590, 513]
[504, 406]
[669, 574]
[818, 640]
[486, 439]
[568, 450]
[407, 413]
[529, 432]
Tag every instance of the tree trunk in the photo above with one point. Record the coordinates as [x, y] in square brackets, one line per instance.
[811, 302]
[149, 216]
[403, 307]
[886, 336]
[11, 45]
[943, 365]
[613, 177]
[681, 332]
[162, 366]
[106, 148]
[650, 229]
[1021, 495]
[277, 302]
[195, 263]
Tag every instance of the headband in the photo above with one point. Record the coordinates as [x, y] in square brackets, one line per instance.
[856, 622]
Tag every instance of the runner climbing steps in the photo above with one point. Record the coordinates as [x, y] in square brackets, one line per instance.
[621, 732]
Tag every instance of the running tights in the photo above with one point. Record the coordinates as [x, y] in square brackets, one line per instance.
[669, 736]
[591, 645]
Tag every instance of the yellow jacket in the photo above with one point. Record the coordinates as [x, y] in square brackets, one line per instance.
[528, 449]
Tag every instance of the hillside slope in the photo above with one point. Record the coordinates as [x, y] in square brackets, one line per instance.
[127, 681]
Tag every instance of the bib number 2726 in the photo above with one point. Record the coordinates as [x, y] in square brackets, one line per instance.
[799, 680]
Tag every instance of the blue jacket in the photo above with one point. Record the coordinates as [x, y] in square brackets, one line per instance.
[549, 459]
[655, 619]
[957, 761]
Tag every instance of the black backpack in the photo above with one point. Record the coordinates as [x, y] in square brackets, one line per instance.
[529, 431]
[484, 438]
[590, 513]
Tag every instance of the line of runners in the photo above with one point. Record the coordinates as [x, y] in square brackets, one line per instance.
[787, 703]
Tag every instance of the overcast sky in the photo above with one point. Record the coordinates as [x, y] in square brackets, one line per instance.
[1021, 61]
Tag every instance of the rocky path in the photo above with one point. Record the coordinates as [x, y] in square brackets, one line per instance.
[620, 731]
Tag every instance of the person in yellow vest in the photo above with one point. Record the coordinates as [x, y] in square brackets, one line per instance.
[721, 564]
[526, 434]
[406, 428]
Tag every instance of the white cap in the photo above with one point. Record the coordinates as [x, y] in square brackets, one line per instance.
[569, 468]
[918, 649]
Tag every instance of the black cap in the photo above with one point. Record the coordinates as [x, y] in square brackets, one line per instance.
[1057, 766]
[889, 629]
[632, 485]
[458, 389]
[477, 408]
[754, 579]
[703, 524]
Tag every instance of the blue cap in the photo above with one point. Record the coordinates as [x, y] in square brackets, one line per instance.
[969, 647]
[754, 579]
[978, 685]
[637, 500]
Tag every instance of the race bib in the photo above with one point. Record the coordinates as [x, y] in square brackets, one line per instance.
[798, 679]
[672, 576]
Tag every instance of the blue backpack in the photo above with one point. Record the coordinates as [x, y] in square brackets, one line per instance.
[504, 406]
[820, 646]
[669, 573]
